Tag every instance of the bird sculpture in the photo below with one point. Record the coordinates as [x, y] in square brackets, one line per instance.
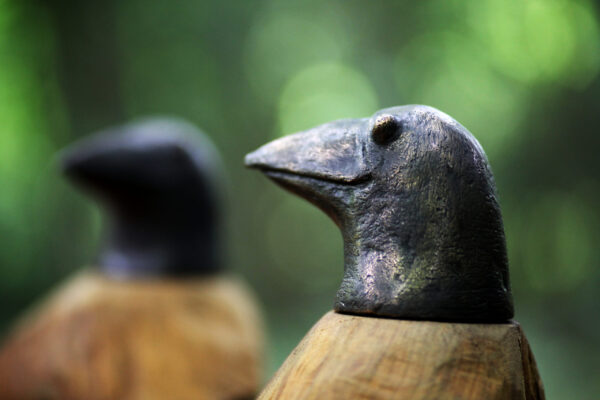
[157, 318]
[424, 308]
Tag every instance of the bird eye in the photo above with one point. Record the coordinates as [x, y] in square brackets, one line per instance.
[386, 129]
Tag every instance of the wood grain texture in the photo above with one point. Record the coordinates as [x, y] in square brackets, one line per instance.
[353, 357]
[101, 339]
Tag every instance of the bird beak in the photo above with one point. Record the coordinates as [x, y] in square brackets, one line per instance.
[82, 163]
[330, 152]
[108, 164]
[320, 164]
[92, 162]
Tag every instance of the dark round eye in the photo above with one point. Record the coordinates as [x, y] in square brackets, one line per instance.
[386, 129]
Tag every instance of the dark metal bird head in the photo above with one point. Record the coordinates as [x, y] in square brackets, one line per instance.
[159, 180]
[414, 197]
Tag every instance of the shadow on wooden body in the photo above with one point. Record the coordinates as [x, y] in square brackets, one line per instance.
[353, 357]
[103, 339]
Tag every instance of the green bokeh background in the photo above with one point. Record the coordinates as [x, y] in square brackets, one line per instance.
[522, 75]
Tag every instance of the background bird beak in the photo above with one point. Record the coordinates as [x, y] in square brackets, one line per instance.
[331, 152]
[80, 163]
[92, 162]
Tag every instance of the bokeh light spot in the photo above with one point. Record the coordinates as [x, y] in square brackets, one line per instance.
[281, 44]
[322, 93]
[535, 41]
[445, 70]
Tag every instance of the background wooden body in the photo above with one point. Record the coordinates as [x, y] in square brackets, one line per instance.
[102, 339]
[353, 357]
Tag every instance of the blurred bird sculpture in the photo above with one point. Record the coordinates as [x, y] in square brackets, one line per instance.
[158, 319]
[424, 308]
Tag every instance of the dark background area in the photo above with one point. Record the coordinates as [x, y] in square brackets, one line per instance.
[521, 75]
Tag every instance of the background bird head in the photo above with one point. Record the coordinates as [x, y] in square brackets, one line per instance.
[159, 181]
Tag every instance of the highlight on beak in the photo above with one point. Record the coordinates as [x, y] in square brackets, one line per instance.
[255, 159]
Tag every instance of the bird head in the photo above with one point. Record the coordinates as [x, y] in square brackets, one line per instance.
[414, 197]
[158, 179]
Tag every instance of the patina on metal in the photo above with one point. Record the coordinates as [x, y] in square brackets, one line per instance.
[160, 182]
[413, 195]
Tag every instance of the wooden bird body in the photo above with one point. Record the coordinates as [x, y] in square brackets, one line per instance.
[157, 319]
[101, 338]
[424, 309]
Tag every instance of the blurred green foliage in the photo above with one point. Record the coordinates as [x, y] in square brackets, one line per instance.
[522, 75]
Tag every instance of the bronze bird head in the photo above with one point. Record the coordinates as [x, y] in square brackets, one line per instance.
[413, 195]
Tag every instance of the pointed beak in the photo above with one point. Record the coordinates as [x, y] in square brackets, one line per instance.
[82, 163]
[93, 162]
[110, 163]
[330, 152]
